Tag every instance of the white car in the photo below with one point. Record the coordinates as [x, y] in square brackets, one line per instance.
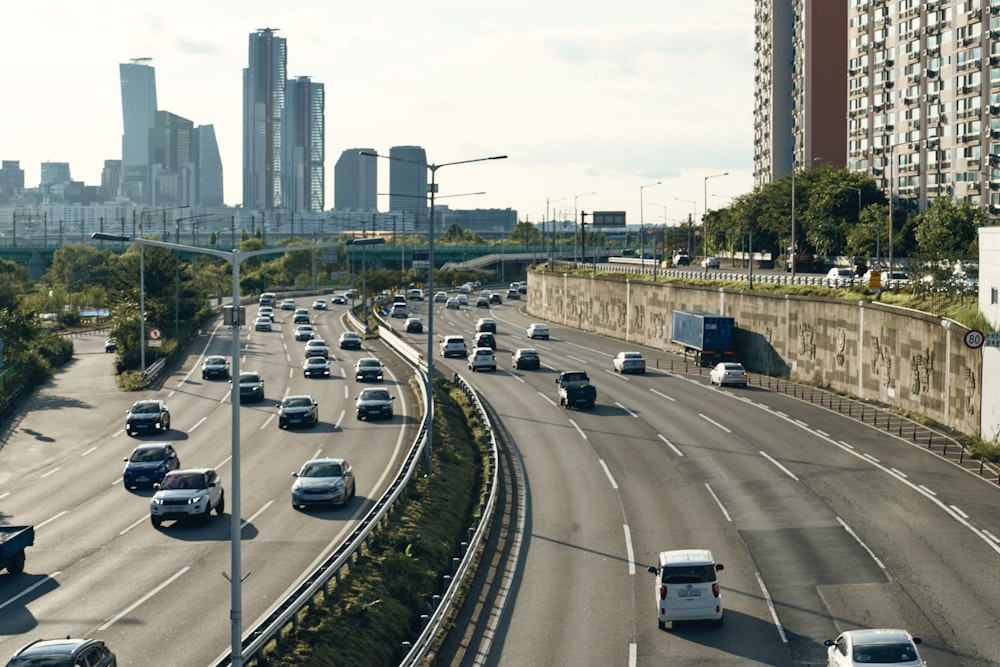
[710, 262]
[463, 300]
[317, 348]
[728, 372]
[482, 359]
[453, 346]
[187, 494]
[687, 588]
[454, 303]
[339, 298]
[304, 332]
[538, 330]
[440, 297]
[262, 324]
[319, 304]
[873, 647]
[629, 362]
[399, 310]
[841, 275]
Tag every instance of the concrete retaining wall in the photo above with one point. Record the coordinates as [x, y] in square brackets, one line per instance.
[899, 357]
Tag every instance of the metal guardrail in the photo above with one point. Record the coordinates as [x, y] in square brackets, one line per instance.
[319, 581]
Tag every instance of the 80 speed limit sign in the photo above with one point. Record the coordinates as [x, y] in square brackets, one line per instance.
[974, 339]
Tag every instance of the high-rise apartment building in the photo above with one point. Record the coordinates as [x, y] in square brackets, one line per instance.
[355, 181]
[800, 85]
[304, 163]
[924, 99]
[408, 181]
[138, 85]
[11, 180]
[263, 120]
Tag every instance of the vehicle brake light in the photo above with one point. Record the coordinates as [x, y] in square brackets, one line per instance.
[663, 592]
[715, 590]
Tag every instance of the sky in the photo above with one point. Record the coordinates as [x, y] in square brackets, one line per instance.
[591, 101]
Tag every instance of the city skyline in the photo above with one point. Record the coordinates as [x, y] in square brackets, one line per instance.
[581, 104]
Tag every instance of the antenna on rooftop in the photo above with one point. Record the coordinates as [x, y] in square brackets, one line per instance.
[142, 60]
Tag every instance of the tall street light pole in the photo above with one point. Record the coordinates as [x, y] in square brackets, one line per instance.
[576, 215]
[552, 225]
[642, 230]
[142, 282]
[691, 217]
[704, 213]
[432, 189]
[235, 258]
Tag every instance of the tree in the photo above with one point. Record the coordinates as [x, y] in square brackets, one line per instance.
[76, 266]
[947, 230]
[525, 233]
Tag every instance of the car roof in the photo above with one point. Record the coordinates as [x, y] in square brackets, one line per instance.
[147, 401]
[350, 334]
[686, 557]
[878, 636]
[52, 646]
[189, 471]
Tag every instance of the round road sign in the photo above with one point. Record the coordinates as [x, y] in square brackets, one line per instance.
[974, 339]
[155, 333]
[877, 266]
[650, 230]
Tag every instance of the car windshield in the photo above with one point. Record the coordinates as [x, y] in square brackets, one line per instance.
[298, 402]
[188, 481]
[316, 343]
[375, 395]
[369, 362]
[632, 355]
[148, 455]
[249, 377]
[884, 654]
[145, 409]
[322, 470]
[688, 574]
[215, 361]
[733, 367]
[316, 361]
[348, 336]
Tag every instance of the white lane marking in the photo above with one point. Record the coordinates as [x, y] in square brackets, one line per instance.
[577, 360]
[864, 546]
[629, 551]
[670, 445]
[626, 409]
[578, 429]
[713, 422]
[770, 605]
[29, 589]
[718, 502]
[959, 512]
[266, 422]
[607, 472]
[92, 449]
[51, 472]
[50, 519]
[899, 473]
[926, 490]
[662, 395]
[991, 536]
[779, 466]
[199, 423]
[823, 433]
[133, 525]
[256, 514]
[141, 600]
[547, 398]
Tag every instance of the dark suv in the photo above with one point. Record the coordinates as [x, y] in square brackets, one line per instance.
[90, 652]
[485, 339]
[147, 416]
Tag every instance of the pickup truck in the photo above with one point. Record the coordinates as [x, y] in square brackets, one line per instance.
[13, 541]
[575, 390]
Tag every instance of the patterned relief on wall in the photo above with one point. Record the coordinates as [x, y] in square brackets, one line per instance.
[807, 341]
[921, 366]
[841, 346]
[638, 318]
[881, 362]
[971, 395]
[659, 325]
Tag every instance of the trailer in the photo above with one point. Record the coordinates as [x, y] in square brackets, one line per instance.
[13, 541]
[707, 337]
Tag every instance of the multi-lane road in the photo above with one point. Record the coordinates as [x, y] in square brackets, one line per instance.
[823, 523]
[161, 597]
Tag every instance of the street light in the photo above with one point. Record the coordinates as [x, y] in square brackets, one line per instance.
[575, 216]
[432, 189]
[791, 250]
[235, 258]
[694, 214]
[552, 224]
[704, 213]
[642, 231]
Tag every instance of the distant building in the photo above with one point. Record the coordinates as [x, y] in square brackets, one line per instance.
[111, 180]
[138, 86]
[263, 121]
[487, 222]
[54, 173]
[205, 150]
[304, 162]
[355, 181]
[408, 181]
[11, 180]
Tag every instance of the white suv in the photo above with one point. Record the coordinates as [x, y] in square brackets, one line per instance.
[482, 359]
[686, 587]
[187, 494]
[538, 330]
[453, 346]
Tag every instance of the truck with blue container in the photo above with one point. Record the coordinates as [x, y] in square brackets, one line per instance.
[708, 337]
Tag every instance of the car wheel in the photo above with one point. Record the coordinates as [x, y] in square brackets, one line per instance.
[16, 564]
[204, 377]
[156, 521]
[545, 337]
[166, 424]
[662, 625]
[221, 507]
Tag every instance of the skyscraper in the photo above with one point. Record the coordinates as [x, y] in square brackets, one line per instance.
[263, 120]
[355, 181]
[209, 190]
[408, 181]
[304, 163]
[138, 84]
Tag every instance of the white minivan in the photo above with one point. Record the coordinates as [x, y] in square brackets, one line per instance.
[687, 588]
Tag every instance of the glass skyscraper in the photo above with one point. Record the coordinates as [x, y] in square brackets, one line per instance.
[263, 121]
[408, 181]
[138, 83]
[304, 163]
[355, 182]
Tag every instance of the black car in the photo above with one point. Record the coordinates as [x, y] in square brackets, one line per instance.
[147, 416]
[298, 411]
[251, 387]
[482, 302]
[350, 340]
[215, 366]
[485, 339]
[525, 357]
[110, 345]
[495, 299]
[374, 403]
[368, 369]
[70, 652]
[414, 325]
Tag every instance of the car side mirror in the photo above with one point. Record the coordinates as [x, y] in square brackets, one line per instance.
[719, 567]
[295, 474]
[651, 570]
[125, 459]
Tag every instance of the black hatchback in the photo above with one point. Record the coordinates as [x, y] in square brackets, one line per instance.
[92, 652]
[485, 339]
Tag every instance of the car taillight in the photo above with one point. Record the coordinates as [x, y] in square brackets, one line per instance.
[663, 592]
[715, 590]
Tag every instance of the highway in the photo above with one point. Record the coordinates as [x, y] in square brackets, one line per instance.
[823, 524]
[161, 597]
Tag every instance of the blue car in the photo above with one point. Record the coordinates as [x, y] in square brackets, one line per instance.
[149, 464]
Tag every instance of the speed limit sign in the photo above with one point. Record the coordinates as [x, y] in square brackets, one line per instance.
[974, 339]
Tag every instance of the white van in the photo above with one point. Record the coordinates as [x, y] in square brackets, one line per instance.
[687, 588]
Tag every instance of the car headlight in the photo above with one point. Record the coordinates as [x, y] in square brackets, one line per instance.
[196, 499]
[157, 500]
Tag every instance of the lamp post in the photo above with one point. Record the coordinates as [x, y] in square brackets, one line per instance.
[642, 231]
[691, 217]
[142, 283]
[552, 225]
[235, 258]
[704, 212]
[575, 216]
[432, 190]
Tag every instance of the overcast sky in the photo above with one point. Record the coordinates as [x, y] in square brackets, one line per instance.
[586, 97]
